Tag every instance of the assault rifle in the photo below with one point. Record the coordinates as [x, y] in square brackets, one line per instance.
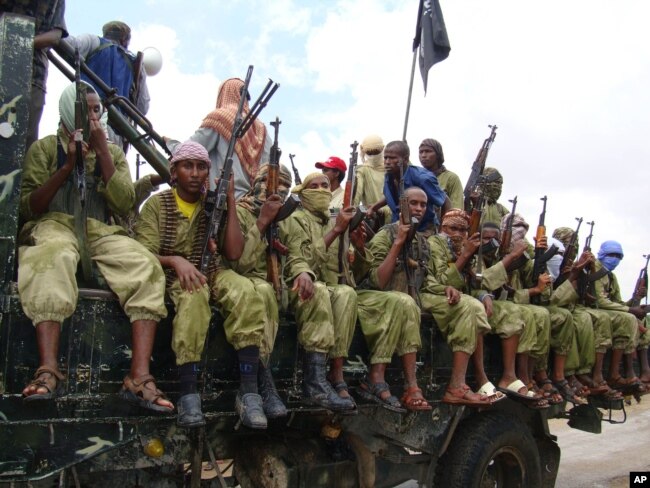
[409, 264]
[641, 284]
[296, 175]
[348, 195]
[216, 201]
[506, 238]
[570, 254]
[585, 285]
[274, 247]
[477, 168]
[79, 125]
[82, 128]
[541, 255]
[477, 210]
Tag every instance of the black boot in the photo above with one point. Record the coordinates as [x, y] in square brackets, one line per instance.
[316, 390]
[273, 406]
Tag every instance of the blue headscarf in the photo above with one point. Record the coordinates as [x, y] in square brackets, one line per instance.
[610, 247]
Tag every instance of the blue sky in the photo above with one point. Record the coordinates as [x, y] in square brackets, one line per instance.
[566, 82]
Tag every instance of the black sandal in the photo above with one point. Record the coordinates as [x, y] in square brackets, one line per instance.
[52, 391]
[372, 392]
[568, 393]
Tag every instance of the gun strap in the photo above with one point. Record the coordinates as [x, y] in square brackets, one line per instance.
[597, 275]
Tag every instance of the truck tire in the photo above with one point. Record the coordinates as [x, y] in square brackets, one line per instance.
[490, 449]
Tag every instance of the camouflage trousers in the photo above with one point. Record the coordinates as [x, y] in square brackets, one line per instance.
[644, 339]
[390, 322]
[249, 309]
[48, 264]
[326, 321]
[582, 355]
[537, 334]
[461, 323]
[621, 333]
[506, 320]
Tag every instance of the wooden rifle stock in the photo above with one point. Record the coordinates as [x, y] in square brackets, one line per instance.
[272, 238]
[539, 266]
[506, 238]
[477, 168]
[348, 195]
[570, 252]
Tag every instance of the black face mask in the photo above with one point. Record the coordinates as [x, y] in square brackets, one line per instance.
[490, 248]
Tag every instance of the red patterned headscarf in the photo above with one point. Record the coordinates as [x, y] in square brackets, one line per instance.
[250, 147]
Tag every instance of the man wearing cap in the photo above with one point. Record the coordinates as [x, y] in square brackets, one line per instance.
[493, 211]
[334, 168]
[433, 159]
[51, 248]
[109, 58]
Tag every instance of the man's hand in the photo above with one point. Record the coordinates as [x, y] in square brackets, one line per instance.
[358, 237]
[343, 220]
[97, 137]
[518, 249]
[542, 244]
[190, 278]
[543, 281]
[403, 231]
[452, 294]
[638, 312]
[304, 286]
[488, 306]
[268, 212]
[71, 157]
[471, 245]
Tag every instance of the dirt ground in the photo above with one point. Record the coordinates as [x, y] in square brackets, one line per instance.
[605, 460]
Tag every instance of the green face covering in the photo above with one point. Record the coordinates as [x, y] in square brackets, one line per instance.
[317, 201]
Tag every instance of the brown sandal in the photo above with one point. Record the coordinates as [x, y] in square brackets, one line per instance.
[414, 400]
[142, 392]
[464, 395]
[53, 383]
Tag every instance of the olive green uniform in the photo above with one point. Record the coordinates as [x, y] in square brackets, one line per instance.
[326, 321]
[234, 296]
[450, 183]
[459, 323]
[625, 330]
[49, 250]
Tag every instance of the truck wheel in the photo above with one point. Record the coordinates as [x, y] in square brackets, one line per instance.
[492, 450]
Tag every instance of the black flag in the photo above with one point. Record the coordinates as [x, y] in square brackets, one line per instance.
[431, 37]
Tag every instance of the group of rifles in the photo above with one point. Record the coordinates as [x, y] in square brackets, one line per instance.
[396, 242]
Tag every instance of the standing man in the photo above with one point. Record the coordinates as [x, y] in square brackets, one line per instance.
[109, 58]
[433, 159]
[334, 168]
[251, 151]
[50, 28]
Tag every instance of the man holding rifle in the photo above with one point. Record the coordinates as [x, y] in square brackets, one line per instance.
[50, 247]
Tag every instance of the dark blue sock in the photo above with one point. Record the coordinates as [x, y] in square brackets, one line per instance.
[187, 375]
[249, 358]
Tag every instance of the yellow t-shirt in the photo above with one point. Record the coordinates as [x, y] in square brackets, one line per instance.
[186, 208]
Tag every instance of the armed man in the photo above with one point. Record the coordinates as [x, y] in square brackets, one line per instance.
[396, 163]
[325, 312]
[59, 233]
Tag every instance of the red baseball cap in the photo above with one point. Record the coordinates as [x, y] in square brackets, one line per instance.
[333, 162]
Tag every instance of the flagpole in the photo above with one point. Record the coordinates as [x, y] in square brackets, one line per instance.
[408, 101]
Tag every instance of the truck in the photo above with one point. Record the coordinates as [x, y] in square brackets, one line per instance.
[88, 437]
